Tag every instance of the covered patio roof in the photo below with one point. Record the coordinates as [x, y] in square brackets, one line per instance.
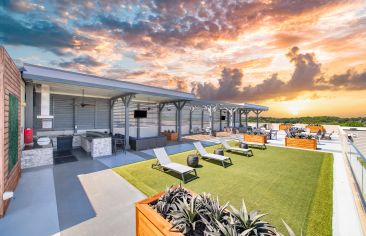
[100, 86]
[223, 105]
[58, 80]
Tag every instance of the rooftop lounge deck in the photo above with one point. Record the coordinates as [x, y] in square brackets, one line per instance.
[105, 202]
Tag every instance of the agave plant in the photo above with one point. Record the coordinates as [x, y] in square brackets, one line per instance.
[186, 218]
[289, 230]
[165, 203]
[251, 223]
[217, 228]
[211, 210]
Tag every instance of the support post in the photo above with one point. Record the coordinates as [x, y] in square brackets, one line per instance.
[126, 101]
[179, 105]
[74, 116]
[240, 118]
[246, 112]
[234, 119]
[160, 109]
[112, 101]
[202, 118]
[227, 119]
[191, 109]
[230, 113]
[176, 120]
[211, 111]
[257, 112]
[29, 87]
[138, 124]
[220, 120]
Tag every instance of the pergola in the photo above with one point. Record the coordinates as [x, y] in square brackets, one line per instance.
[71, 83]
[231, 109]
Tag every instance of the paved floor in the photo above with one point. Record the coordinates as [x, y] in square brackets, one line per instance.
[87, 198]
[73, 205]
[33, 211]
[113, 200]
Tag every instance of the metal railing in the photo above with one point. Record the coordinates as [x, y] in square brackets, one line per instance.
[357, 162]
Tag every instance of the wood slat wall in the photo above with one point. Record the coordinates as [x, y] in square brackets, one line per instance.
[10, 83]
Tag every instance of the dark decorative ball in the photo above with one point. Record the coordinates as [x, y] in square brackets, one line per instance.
[192, 160]
[219, 151]
[244, 145]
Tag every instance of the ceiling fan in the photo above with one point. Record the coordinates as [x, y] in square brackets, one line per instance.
[83, 104]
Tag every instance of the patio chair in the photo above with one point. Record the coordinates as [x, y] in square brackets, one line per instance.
[327, 136]
[164, 163]
[235, 149]
[204, 154]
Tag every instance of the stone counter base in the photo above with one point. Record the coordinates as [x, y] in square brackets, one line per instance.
[37, 157]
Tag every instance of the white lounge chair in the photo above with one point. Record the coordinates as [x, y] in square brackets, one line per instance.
[204, 154]
[235, 149]
[164, 162]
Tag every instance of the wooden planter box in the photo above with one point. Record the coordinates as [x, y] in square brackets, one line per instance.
[301, 143]
[315, 128]
[171, 136]
[285, 126]
[255, 138]
[149, 222]
[221, 134]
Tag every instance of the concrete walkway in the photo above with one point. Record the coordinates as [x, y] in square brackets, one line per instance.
[113, 200]
[33, 211]
[345, 216]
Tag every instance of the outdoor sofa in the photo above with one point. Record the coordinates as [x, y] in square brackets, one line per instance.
[147, 143]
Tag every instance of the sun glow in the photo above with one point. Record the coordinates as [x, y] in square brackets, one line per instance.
[295, 107]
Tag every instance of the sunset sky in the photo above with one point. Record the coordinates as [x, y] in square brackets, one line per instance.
[298, 57]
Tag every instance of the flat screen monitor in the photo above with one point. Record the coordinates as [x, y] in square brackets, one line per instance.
[140, 114]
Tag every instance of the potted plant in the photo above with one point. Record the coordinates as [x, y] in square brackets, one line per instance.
[314, 128]
[256, 136]
[178, 211]
[300, 140]
[285, 126]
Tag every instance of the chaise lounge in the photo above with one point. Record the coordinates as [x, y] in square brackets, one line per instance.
[164, 163]
[204, 154]
[235, 149]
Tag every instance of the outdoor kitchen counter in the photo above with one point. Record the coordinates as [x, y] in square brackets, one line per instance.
[96, 144]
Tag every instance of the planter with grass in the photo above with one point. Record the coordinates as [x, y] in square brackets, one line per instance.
[315, 128]
[177, 211]
[171, 136]
[285, 126]
[255, 138]
[301, 143]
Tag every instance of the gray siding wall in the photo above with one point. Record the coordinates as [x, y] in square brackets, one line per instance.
[67, 111]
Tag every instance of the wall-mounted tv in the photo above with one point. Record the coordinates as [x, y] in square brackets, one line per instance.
[223, 117]
[140, 114]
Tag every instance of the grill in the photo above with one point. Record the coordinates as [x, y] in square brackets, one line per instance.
[64, 143]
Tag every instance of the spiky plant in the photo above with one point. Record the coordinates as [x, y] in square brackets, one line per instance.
[289, 230]
[211, 209]
[171, 196]
[217, 228]
[186, 218]
[250, 223]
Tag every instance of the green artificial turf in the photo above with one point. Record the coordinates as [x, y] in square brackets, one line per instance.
[290, 184]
